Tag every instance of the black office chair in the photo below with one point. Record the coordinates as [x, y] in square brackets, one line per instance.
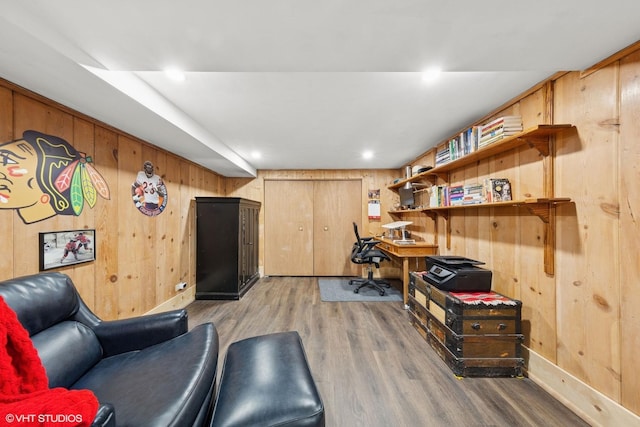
[364, 252]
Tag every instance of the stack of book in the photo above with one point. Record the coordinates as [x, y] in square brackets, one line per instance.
[456, 195]
[473, 194]
[497, 190]
[476, 137]
[443, 156]
[499, 128]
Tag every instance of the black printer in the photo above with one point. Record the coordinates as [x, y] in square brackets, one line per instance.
[457, 274]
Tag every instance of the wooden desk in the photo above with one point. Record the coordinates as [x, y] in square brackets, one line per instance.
[403, 253]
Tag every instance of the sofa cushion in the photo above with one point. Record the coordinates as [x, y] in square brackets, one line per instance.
[67, 350]
[161, 385]
[40, 300]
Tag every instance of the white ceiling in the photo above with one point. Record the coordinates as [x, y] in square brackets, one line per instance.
[309, 84]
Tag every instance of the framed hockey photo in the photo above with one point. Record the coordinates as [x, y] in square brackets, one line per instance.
[64, 248]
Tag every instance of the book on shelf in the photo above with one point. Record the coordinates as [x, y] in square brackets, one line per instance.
[497, 190]
[460, 145]
[438, 196]
[470, 139]
[490, 139]
[511, 123]
[456, 195]
[500, 125]
[443, 156]
[507, 120]
[473, 194]
[501, 130]
[477, 133]
[472, 200]
[474, 137]
[454, 147]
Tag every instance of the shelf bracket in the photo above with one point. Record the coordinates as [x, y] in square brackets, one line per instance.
[540, 143]
[544, 211]
[443, 213]
[541, 210]
[431, 214]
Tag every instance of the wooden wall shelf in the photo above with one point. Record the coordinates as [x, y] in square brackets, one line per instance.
[539, 207]
[537, 138]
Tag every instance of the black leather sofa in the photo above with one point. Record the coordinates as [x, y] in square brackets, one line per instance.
[153, 371]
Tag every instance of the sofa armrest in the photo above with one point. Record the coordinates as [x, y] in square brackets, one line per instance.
[105, 417]
[119, 336]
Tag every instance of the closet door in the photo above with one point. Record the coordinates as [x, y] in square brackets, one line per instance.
[336, 205]
[288, 235]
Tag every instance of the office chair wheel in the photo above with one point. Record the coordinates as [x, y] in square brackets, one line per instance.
[356, 290]
[381, 293]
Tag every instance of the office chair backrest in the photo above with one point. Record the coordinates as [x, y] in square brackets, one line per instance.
[358, 239]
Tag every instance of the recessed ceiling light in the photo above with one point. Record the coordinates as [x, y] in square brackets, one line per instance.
[431, 75]
[256, 154]
[175, 74]
[367, 154]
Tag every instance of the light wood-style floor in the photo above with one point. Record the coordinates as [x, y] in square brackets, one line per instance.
[372, 367]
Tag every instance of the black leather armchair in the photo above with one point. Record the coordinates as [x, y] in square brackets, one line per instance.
[364, 252]
[153, 371]
[145, 371]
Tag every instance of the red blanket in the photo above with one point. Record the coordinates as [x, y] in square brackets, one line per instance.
[25, 396]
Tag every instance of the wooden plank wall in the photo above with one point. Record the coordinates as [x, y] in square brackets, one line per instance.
[629, 230]
[371, 179]
[584, 319]
[598, 276]
[139, 258]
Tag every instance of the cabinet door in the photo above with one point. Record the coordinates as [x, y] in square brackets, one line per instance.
[336, 206]
[245, 250]
[249, 243]
[217, 254]
[288, 234]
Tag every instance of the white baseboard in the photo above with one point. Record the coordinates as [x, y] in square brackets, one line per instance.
[588, 403]
[181, 300]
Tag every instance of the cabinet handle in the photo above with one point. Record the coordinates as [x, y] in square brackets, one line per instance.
[326, 228]
[502, 327]
[299, 228]
[476, 326]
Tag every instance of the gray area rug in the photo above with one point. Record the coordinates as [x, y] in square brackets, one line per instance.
[339, 289]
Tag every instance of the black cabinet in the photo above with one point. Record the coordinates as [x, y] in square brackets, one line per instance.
[226, 247]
